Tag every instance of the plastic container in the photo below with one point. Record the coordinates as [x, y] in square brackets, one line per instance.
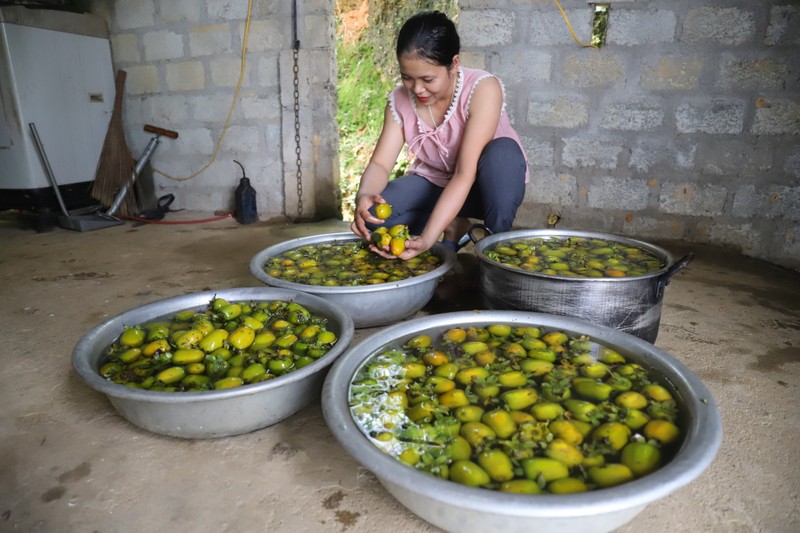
[246, 211]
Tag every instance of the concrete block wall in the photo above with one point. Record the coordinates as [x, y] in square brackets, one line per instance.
[183, 60]
[686, 125]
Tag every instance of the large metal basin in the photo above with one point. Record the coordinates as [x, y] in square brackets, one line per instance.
[631, 304]
[367, 305]
[218, 413]
[457, 508]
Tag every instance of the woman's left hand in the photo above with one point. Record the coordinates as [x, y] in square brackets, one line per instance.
[413, 247]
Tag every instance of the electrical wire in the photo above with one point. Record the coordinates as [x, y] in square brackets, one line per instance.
[563, 14]
[169, 222]
[230, 111]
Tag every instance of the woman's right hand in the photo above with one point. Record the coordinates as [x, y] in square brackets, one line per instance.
[362, 214]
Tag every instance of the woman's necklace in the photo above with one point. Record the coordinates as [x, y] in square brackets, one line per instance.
[430, 111]
[432, 119]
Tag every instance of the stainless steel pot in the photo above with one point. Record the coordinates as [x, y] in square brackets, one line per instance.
[217, 413]
[368, 305]
[458, 508]
[631, 304]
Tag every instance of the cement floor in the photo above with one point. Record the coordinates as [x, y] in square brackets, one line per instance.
[70, 463]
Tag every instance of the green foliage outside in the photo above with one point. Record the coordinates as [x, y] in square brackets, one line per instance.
[367, 72]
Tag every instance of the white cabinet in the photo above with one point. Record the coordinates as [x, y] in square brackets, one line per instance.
[55, 71]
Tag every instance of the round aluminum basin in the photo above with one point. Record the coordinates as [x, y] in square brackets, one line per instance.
[458, 508]
[217, 413]
[368, 305]
[630, 304]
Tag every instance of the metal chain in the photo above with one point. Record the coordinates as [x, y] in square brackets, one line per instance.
[296, 80]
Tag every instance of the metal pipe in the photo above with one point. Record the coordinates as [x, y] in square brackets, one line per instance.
[48, 170]
[148, 151]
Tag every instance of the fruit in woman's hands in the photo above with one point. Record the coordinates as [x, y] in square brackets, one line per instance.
[381, 239]
[383, 211]
[399, 230]
[348, 263]
[397, 245]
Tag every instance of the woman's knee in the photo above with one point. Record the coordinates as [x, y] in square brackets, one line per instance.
[503, 152]
[502, 167]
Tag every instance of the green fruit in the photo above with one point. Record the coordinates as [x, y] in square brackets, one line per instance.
[497, 464]
[641, 458]
[469, 473]
[610, 475]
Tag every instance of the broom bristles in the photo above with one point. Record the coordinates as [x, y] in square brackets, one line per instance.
[115, 166]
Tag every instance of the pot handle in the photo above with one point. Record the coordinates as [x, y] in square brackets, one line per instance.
[676, 267]
[471, 232]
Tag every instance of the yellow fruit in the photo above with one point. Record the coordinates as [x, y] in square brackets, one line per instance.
[158, 346]
[631, 400]
[186, 356]
[641, 457]
[383, 211]
[512, 378]
[409, 456]
[610, 474]
[477, 433]
[501, 422]
[546, 468]
[555, 338]
[453, 398]
[520, 486]
[132, 337]
[228, 382]
[172, 374]
[567, 485]
[467, 375]
[517, 399]
[497, 464]
[397, 245]
[440, 385]
[242, 337]
[547, 410]
[563, 451]
[499, 330]
[566, 430]
[399, 230]
[657, 393]
[420, 341]
[615, 434]
[382, 240]
[213, 340]
[456, 335]
[663, 431]
[468, 473]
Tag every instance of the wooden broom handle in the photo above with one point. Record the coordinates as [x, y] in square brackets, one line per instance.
[160, 131]
[119, 84]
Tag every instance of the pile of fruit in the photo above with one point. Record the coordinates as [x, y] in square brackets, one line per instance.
[227, 345]
[394, 238]
[517, 409]
[350, 262]
[344, 264]
[576, 257]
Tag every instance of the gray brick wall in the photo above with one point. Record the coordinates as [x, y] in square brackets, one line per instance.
[183, 60]
[686, 125]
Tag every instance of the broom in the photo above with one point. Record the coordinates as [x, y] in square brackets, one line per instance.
[116, 165]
